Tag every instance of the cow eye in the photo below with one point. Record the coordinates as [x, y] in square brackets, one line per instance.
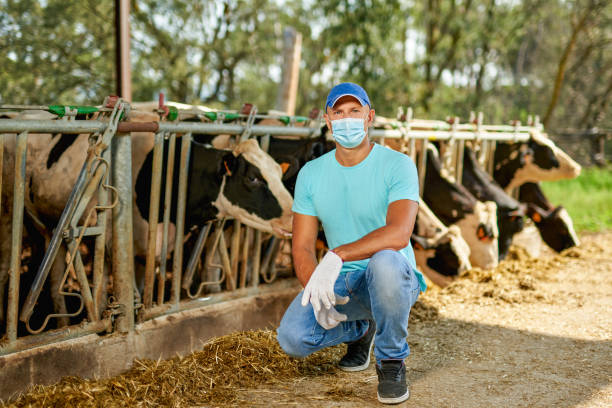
[254, 180]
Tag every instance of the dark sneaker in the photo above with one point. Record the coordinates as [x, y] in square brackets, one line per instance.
[392, 387]
[358, 352]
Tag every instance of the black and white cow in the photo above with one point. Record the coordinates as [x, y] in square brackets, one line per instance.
[452, 203]
[554, 224]
[244, 183]
[538, 159]
[441, 253]
[509, 211]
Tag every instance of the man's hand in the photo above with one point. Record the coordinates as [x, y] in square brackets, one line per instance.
[330, 318]
[320, 287]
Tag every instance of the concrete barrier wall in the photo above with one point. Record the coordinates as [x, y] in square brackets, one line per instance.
[95, 356]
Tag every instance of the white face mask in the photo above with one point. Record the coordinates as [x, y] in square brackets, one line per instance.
[349, 132]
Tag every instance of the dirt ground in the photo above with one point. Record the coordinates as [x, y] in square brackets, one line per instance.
[534, 333]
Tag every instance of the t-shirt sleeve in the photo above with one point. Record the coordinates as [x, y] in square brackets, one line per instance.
[302, 200]
[404, 180]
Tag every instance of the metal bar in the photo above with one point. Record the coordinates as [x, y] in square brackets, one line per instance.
[90, 188]
[54, 244]
[181, 203]
[491, 160]
[210, 299]
[256, 259]
[459, 167]
[79, 269]
[156, 173]
[422, 166]
[161, 278]
[122, 49]
[235, 254]
[57, 335]
[99, 286]
[195, 255]
[225, 260]
[123, 250]
[21, 152]
[268, 261]
[248, 237]
[85, 126]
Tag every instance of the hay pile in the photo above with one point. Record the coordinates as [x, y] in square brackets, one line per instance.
[514, 280]
[210, 376]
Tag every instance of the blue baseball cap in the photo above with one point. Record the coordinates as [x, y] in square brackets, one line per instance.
[346, 89]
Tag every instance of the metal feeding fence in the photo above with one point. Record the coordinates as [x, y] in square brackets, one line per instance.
[103, 195]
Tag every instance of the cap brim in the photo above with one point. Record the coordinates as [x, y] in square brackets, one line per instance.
[361, 101]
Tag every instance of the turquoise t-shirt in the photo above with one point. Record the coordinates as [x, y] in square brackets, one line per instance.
[352, 201]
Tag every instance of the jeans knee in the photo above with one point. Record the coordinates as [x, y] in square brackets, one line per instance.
[386, 273]
[291, 343]
[387, 263]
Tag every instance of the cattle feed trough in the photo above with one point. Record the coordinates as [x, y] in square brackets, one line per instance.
[226, 250]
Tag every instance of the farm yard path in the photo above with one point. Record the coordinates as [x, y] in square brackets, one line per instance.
[536, 334]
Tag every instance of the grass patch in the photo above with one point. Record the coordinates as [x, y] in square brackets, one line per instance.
[588, 198]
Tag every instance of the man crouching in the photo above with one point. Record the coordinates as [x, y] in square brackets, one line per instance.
[366, 197]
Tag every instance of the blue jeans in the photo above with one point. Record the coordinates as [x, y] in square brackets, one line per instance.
[385, 291]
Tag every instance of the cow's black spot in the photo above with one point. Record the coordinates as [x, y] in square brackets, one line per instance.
[296, 153]
[247, 189]
[479, 183]
[445, 260]
[543, 156]
[203, 184]
[450, 201]
[555, 231]
[533, 194]
[65, 141]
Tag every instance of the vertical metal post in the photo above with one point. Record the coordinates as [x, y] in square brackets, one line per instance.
[491, 163]
[158, 155]
[177, 266]
[122, 49]
[292, 51]
[79, 269]
[235, 254]
[256, 259]
[460, 152]
[17, 230]
[248, 237]
[99, 286]
[161, 279]
[423, 166]
[123, 250]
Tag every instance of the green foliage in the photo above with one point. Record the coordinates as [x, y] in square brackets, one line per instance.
[58, 53]
[442, 57]
[588, 198]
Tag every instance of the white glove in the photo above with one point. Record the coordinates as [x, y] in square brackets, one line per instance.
[320, 288]
[330, 318]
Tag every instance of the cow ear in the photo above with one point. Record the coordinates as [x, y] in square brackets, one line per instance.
[228, 164]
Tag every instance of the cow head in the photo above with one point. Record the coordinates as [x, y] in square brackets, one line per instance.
[252, 190]
[556, 227]
[539, 159]
[509, 223]
[443, 256]
[479, 230]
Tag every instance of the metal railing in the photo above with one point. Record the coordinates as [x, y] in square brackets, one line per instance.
[228, 264]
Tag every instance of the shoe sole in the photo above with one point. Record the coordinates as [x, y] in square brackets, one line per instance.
[395, 400]
[362, 367]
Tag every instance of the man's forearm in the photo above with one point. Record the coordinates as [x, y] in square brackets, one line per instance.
[387, 237]
[304, 263]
